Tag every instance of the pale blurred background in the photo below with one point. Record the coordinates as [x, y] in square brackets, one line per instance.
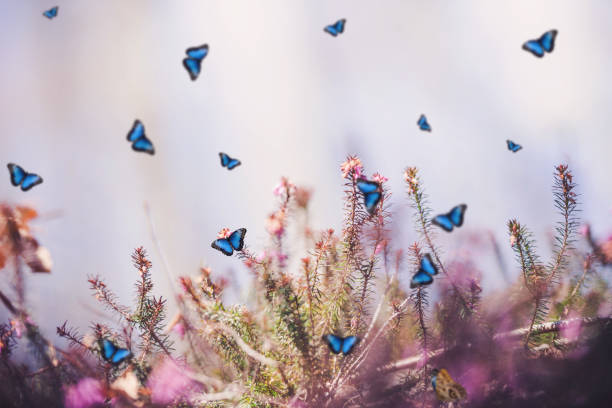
[289, 100]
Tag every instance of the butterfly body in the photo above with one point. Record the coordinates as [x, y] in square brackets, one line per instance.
[234, 242]
[336, 28]
[453, 218]
[445, 387]
[112, 353]
[339, 344]
[193, 61]
[423, 124]
[229, 162]
[51, 13]
[544, 44]
[371, 194]
[20, 177]
[513, 147]
[424, 276]
[140, 142]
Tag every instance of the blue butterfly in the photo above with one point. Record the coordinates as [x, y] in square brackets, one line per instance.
[340, 344]
[234, 242]
[425, 274]
[513, 146]
[371, 194]
[423, 125]
[139, 139]
[112, 353]
[336, 28]
[228, 162]
[452, 218]
[546, 43]
[193, 61]
[21, 177]
[51, 13]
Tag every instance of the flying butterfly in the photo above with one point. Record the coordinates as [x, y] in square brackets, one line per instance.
[423, 124]
[513, 147]
[235, 241]
[424, 276]
[453, 218]
[339, 344]
[193, 61]
[371, 194]
[139, 140]
[445, 387]
[112, 353]
[336, 28]
[20, 177]
[544, 44]
[51, 13]
[228, 162]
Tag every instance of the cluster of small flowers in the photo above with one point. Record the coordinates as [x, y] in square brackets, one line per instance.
[411, 177]
[352, 168]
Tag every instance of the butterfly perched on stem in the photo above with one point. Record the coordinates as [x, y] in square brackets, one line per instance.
[228, 243]
[336, 28]
[51, 13]
[424, 276]
[544, 44]
[20, 177]
[513, 147]
[423, 124]
[140, 142]
[339, 344]
[453, 218]
[193, 61]
[445, 387]
[372, 194]
[228, 162]
[112, 353]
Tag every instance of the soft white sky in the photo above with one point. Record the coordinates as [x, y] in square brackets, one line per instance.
[287, 99]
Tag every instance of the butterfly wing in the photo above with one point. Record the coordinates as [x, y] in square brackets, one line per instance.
[233, 163]
[120, 355]
[17, 173]
[225, 159]
[446, 388]
[336, 28]
[547, 40]
[371, 201]
[30, 180]
[366, 186]
[136, 132]
[108, 349]
[193, 67]
[51, 13]
[513, 146]
[456, 214]
[371, 193]
[423, 124]
[143, 144]
[443, 221]
[198, 53]
[223, 245]
[334, 342]
[236, 239]
[534, 47]
[421, 278]
[348, 343]
[428, 266]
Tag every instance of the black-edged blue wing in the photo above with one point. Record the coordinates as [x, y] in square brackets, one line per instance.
[137, 136]
[51, 13]
[20, 177]
[424, 276]
[423, 124]
[513, 147]
[228, 162]
[336, 28]
[339, 344]
[112, 353]
[544, 44]
[234, 242]
[453, 218]
[193, 61]
[371, 194]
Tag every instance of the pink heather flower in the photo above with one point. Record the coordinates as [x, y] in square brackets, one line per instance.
[584, 230]
[224, 233]
[352, 166]
[86, 393]
[276, 223]
[284, 186]
[379, 178]
[381, 245]
[169, 381]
